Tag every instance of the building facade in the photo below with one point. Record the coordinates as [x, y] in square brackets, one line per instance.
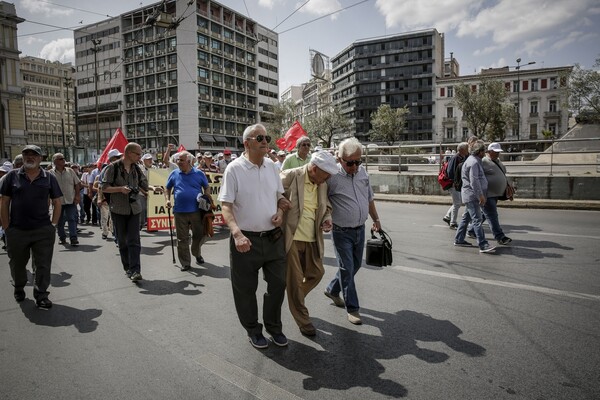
[12, 121]
[398, 70]
[539, 97]
[192, 74]
[49, 105]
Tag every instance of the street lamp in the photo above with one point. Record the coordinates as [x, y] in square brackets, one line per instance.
[518, 68]
[96, 49]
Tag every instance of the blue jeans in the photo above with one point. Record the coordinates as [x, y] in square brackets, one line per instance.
[127, 228]
[490, 210]
[349, 245]
[82, 206]
[473, 215]
[68, 214]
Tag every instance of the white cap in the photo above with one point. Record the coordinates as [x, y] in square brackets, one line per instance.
[281, 153]
[114, 153]
[495, 147]
[6, 167]
[147, 156]
[325, 161]
[234, 156]
[318, 148]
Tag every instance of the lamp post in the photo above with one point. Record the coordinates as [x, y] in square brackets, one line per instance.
[96, 49]
[68, 84]
[518, 68]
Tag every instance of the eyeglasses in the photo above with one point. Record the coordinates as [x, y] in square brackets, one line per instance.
[137, 154]
[352, 163]
[305, 144]
[59, 159]
[259, 138]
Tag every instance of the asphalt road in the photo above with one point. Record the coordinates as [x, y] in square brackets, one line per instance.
[441, 323]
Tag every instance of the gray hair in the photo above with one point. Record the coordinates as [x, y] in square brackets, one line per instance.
[477, 147]
[187, 155]
[302, 139]
[462, 146]
[348, 147]
[57, 155]
[251, 129]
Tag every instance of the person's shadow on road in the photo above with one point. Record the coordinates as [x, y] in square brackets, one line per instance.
[61, 315]
[351, 359]
[529, 249]
[164, 287]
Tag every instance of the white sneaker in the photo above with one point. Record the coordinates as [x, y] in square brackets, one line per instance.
[354, 318]
[486, 248]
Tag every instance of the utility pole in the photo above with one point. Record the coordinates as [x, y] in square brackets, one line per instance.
[518, 68]
[68, 84]
[96, 49]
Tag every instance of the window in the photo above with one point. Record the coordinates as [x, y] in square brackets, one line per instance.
[450, 91]
[465, 132]
[533, 107]
[449, 112]
[449, 133]
[552, 107]
[534, 85]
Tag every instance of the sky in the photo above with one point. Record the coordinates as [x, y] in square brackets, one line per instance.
[479, 33]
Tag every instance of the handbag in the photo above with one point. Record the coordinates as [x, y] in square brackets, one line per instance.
[379, 250]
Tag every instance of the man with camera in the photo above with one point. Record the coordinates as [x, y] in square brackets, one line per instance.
[123, 180]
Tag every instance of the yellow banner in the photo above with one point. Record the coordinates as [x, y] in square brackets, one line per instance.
[158, 215]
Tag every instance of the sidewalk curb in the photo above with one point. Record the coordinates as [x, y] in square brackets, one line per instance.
[587, 205]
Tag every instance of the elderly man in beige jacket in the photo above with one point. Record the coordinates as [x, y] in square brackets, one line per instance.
[304, 224]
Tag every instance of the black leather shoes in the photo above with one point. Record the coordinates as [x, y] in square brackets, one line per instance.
[185, 267]
[19, 295]
[44, 303]
[199, 260]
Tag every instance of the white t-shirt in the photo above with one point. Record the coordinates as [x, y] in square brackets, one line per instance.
[253, 191]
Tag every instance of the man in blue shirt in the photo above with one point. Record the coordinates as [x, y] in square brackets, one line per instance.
[186, 183]
[27, 225]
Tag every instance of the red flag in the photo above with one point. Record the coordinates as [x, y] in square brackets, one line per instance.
[118, 141]
[288, 141]
[181, 148]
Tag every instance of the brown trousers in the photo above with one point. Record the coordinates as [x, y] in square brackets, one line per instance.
[304, 272]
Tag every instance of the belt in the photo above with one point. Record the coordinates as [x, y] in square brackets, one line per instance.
[260, 234]
[345, 228]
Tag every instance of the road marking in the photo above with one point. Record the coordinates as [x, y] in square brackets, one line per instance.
[243, 379]
[532, 288]
[540, 233]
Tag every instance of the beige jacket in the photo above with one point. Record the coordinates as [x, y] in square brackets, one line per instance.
[293, 185]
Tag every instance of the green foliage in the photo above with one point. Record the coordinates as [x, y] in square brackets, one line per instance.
[388, 124]
[323, 128]
[487, 110]
[283, 116]
[584, 89]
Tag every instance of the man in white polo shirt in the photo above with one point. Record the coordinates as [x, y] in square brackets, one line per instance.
[252, 200]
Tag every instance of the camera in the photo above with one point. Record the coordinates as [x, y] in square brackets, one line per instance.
[133, 194]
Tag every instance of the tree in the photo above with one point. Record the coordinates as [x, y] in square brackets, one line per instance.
[323, 128]
[388, 124]
[584, 89]
[485, 110]
[282, 117]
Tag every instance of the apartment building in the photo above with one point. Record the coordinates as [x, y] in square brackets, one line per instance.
[12, 121]
[49, 105]
[539, 97]
[195, 74]
[398, 70]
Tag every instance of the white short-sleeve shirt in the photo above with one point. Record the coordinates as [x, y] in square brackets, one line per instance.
[253, 190]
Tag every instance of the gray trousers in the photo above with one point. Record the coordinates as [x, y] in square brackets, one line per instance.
[40, 243]
[183, 223]
[270, 256]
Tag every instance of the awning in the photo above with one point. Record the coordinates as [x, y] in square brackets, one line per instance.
[220, 138]
[207, 138]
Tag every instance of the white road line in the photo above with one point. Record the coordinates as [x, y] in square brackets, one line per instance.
[541, 233]
[532, 288]
[243, 379]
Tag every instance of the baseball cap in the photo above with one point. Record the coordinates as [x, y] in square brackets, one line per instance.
[495, 147]
[325, 161]
[226, 151]
[32, 147]
[6, 167]
[114, 153]
[147, 156]
[281, 153]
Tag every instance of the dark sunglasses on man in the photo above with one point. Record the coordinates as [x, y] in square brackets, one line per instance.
[259, 138]
[352, 163]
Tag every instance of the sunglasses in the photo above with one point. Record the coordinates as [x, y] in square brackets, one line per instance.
[305, 144]
[352, 163]
[260, 138]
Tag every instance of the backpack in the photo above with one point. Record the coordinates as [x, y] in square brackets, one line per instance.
[458, 175]
[443, 180]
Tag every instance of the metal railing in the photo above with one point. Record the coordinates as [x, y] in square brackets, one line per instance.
[578, 156]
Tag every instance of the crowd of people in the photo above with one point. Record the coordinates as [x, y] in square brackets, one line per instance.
[277, 208]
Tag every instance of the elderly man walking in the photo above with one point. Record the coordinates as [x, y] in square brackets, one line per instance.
[252, 201]
[70, 186]
[28, 228]
[352, 202]
[473, 193]
[186, 183]
[308, 217]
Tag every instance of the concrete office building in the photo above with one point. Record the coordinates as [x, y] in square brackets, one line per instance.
[49, 105]
[397, 70]
[193, 74]
[539, 102]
